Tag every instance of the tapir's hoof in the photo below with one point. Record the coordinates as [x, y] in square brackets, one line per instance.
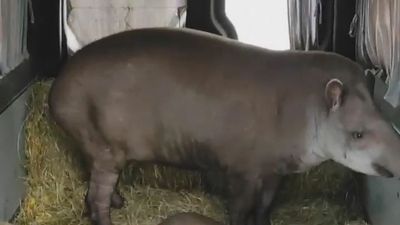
[117, 201]
[86, 212]
[86, 209]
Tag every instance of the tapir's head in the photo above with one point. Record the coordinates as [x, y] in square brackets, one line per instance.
[355, 134]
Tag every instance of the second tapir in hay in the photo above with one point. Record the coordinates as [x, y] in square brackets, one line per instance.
[199, 101]
[189, 218]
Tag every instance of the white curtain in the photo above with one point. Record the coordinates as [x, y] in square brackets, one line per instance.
[13, 29]
[88, 20]
[304, 17]
[378, 41]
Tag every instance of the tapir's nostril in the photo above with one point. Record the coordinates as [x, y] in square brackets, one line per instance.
[382, 170]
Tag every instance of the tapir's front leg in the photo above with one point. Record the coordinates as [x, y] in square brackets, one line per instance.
[266, 196]
[242, 198]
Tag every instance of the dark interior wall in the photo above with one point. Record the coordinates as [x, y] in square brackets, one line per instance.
[325, 28]
[343, 43]
[334, 18]
[43, 38]
[209, 16]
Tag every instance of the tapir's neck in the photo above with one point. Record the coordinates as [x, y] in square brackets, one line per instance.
[311, 154]
[314, 153]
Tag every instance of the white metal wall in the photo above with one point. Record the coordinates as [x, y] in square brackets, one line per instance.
[12, 140]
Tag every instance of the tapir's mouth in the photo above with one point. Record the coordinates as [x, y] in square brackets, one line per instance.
[381, 170]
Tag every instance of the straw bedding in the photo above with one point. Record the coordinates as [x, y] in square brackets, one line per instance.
[324, 196]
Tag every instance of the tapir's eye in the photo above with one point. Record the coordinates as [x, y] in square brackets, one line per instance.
[357, 135]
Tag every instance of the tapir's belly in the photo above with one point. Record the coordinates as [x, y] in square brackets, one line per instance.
[181, 127]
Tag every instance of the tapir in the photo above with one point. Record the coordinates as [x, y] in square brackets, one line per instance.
[199, 101]
[189, 218]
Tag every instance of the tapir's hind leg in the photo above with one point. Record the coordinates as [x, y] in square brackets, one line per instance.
[117, 201]
[106, 164]
[101, 188]
[105, 160]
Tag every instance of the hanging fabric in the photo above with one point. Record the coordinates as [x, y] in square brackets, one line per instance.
[304, 18]
[378, 41]
[13, 34]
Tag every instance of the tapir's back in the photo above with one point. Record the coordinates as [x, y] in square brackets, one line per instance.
[197, 58]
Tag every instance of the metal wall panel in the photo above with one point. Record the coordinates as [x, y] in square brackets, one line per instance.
[12, 157]
[382, 195]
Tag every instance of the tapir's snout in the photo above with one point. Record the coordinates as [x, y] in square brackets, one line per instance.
[382, 171]
[387, 164]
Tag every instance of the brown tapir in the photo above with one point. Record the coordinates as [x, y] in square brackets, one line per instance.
[189, 218]
[200, 101]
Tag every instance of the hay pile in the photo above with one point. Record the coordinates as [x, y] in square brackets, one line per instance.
[56, 188]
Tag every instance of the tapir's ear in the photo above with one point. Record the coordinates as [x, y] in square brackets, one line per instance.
[334, 94]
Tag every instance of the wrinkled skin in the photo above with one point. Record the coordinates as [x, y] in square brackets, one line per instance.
[198, 101]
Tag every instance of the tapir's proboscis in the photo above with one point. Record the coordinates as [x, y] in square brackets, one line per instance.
[200, 101]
